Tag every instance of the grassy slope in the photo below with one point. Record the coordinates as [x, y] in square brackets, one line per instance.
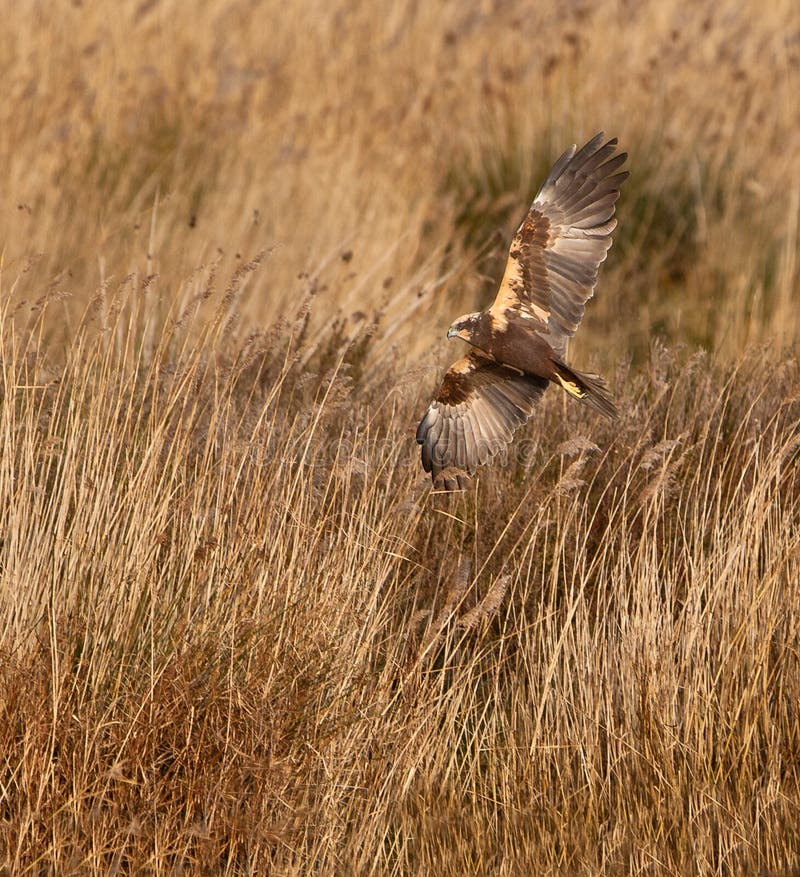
[237, 631]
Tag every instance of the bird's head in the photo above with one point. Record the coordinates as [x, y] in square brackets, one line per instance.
[464, 327]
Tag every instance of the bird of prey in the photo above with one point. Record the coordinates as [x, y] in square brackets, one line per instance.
[519, 343]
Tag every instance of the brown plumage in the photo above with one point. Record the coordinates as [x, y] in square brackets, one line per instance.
[519, 343]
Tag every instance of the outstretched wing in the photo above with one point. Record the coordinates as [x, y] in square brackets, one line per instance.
[552, 266]
[479, 405]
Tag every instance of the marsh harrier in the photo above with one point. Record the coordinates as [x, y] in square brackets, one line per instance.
[519, 343]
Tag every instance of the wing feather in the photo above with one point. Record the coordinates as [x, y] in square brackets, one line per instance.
[479, 405]
[557, 251]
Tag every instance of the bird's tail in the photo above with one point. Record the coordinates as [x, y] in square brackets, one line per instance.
[591, 389]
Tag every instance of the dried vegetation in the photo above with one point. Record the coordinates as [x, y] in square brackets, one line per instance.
[238, 633]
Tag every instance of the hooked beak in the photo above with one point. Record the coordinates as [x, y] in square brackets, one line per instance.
[451, 332]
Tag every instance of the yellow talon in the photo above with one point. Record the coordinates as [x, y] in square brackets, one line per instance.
[571, 387]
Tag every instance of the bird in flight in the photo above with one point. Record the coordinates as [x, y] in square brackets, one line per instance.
[519, 343]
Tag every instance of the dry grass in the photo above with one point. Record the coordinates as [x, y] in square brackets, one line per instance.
[238, 634]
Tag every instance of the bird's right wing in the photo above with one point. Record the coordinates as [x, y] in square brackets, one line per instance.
[556, 253]
[476, 410]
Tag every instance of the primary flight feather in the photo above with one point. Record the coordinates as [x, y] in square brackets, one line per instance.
[519, 343]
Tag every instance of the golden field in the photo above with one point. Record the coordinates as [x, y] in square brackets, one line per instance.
[238, 632]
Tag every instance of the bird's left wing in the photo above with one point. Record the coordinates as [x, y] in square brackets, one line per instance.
[476, 410]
